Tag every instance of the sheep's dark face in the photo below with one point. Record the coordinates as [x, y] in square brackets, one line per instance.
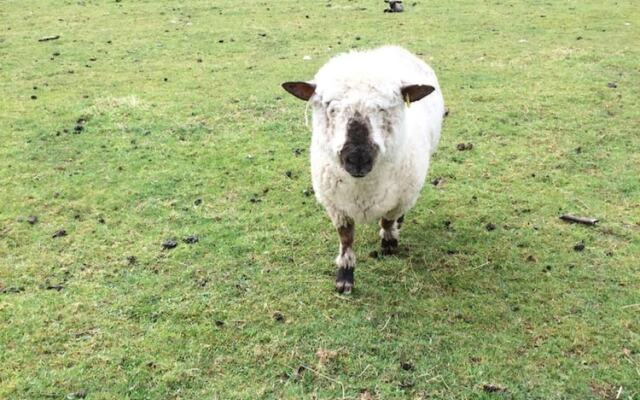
[358, 124]
[359, 152]
[358, 131]
[347, 131]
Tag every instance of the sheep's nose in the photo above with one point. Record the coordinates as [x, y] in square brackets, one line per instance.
[358, 159]
[358, 162]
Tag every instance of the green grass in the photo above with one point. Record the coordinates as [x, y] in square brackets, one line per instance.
[173, 115]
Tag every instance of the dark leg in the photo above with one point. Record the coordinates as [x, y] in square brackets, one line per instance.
[389, 235]
[346, 260]
[400, 221]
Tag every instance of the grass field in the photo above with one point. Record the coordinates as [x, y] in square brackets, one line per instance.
[154, 120]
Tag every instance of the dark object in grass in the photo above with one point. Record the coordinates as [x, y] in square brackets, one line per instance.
[32, 219]
[406, 384]
[255, 199]
[395, 6]
[439, 181]
[34, 97]
[78, 128]
[59, 233]
[300, 371]
[219, 323]
[446, 112]
[48, 38]
[579, 246]
[612, 85]
[101, 220]
[169, 244]
[11, 289]
[54, 287]
[407, 366]
[491, 388]
[191, 239]
[278, 316]
[374, 254]
[490, 227]
[132, 260]
[197, 202]
[289, 174]
[464, 146]
[579, 220]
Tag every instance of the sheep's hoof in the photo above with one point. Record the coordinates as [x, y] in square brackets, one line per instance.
[344, 280]
[389, 246]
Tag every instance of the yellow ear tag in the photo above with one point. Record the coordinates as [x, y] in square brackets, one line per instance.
[407, 101]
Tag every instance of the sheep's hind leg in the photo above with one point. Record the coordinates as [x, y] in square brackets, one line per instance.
[346, 260]
[389, 234]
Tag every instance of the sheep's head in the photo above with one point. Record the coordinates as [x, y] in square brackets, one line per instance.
[358, 125]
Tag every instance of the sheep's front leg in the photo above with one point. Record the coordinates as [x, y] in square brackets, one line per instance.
[346, 260]
[389, 234]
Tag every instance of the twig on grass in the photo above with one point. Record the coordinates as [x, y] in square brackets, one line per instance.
[579, 220]
[479, 266]
[364, 370]
[47, 38]
[385, 324]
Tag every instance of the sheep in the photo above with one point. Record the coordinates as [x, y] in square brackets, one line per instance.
[394, 6]
[377, 117]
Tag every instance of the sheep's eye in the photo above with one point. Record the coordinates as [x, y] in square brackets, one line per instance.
[332, 112]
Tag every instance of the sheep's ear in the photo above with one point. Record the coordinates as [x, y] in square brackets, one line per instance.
[411, 93]
[302, 90]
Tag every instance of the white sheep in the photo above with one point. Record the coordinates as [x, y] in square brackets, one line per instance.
[377, 117]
